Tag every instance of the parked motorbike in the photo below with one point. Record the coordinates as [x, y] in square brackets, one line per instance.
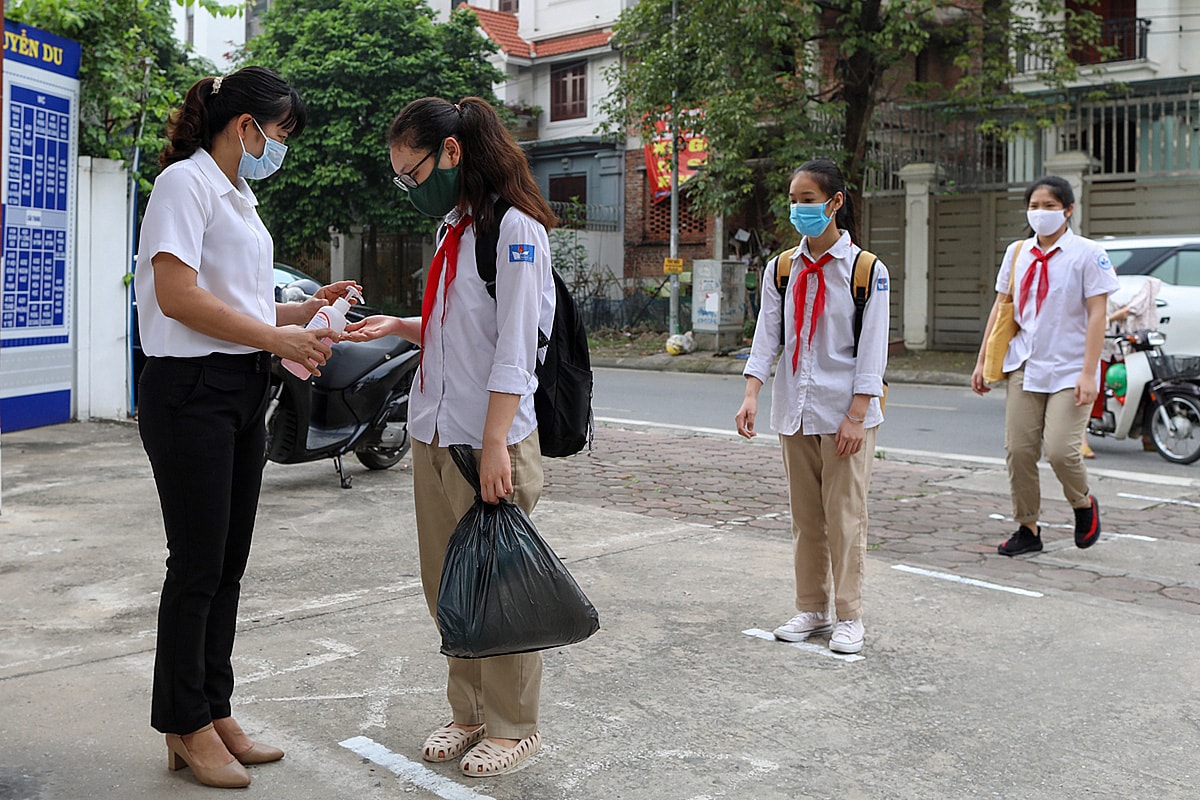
[1160, 396]
[359, 404]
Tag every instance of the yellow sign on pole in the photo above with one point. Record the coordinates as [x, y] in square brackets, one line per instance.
[672, 266]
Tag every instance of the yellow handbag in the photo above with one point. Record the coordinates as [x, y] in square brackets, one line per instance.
[1003, 330]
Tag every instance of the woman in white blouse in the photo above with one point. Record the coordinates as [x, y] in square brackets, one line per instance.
[1059, 285]
[479, 350]
[824, 403]
[209, 324]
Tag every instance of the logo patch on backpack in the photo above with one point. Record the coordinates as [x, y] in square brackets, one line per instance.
[881, 285]
[520, 252]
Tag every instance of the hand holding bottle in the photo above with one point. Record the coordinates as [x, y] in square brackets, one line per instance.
[331, 320]
[300, 346]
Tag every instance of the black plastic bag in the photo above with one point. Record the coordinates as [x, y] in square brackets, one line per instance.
[503, 589]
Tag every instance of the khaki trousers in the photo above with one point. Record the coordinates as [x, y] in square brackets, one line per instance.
[827, 495]
[502, 691]
[1033, 420]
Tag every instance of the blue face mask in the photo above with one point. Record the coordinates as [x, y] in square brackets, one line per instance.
[809, 218]
[256, 168]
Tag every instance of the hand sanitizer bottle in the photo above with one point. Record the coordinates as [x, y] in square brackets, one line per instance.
[333, 317]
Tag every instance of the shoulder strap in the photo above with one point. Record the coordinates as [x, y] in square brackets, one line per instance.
[783, 271]
[486, 242]
[783, 268]
[861, 285]
[1012, 269]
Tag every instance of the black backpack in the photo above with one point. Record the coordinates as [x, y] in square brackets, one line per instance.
[563, 399]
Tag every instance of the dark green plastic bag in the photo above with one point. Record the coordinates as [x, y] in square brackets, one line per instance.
[503, 589]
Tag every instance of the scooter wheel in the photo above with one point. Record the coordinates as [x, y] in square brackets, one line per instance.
[380, 457]
[1175, 428]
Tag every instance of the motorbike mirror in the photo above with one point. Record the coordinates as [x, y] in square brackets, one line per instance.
[294, 294]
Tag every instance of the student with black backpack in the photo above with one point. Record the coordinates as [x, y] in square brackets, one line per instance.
[832, 328]
[480, 343]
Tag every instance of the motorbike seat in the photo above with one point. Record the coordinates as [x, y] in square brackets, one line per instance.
[351, 360]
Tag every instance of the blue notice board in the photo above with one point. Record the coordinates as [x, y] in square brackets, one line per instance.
[40, 145]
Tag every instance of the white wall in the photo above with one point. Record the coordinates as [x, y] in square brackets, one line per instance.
[214, 37]
[101, 297]
[542, 19]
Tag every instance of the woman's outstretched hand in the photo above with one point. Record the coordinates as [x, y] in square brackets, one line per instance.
[383, 325]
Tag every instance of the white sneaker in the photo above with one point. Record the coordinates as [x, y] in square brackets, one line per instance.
[803, 625]
[847, 636]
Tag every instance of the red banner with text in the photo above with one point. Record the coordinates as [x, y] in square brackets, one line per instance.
[693, 153]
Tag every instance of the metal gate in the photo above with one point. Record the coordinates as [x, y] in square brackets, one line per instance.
[1144, 207]
[969, 233]
[883, 235]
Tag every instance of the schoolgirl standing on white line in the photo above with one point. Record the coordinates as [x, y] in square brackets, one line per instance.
[1060, 296]
[479, 353]
[824, 403]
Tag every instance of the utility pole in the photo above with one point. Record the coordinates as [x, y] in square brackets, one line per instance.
[674, 321]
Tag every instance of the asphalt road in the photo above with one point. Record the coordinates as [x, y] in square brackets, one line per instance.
[945, 420]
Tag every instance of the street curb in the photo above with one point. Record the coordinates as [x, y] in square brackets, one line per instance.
[718, 365]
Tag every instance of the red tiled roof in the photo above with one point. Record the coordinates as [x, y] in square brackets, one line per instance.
[502, 28]
[572, 44]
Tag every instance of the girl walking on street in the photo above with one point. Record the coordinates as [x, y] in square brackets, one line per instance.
[1059, 283]
[825, 403]
[479, 350]
[209, 324]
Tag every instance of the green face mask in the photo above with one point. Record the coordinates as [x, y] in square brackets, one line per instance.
[438, 193]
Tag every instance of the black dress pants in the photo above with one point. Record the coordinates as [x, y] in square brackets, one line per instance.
[201, 423]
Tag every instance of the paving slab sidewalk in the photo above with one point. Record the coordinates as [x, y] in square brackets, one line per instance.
[1067, 674]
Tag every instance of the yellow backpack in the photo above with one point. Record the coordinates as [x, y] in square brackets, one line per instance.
[861, 286]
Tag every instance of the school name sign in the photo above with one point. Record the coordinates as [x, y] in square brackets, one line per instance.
[41, 49]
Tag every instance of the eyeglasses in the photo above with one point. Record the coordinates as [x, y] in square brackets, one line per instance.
[406, 181]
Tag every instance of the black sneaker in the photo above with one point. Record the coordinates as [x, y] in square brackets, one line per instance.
[1023, 541]
[1087, 524]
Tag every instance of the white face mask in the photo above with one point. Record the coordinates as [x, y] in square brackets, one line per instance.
[1046, 222]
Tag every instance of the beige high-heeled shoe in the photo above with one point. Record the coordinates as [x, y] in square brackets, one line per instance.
[229, 776]
[258, 753]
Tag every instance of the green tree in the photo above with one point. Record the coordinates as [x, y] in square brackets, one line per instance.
[356, 63]
[133, 71]
[781, 81]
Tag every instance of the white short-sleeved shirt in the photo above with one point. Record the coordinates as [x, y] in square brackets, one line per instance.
[485, 345]
[1051, 343]
[208, 223]
[815, 397]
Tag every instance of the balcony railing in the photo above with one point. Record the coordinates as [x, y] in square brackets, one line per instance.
[587, 216]
[1120, 40]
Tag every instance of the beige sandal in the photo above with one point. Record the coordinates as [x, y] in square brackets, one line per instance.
[490, 758]
[448, 742]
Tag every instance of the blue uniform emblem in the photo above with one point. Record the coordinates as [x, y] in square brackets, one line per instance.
[1103, 261]
[881, 285]
[520, 252]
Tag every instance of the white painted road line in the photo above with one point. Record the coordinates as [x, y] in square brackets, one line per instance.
[641, 423]
[411, 771]
[805, 646]
[1159, 499]
[945, 576]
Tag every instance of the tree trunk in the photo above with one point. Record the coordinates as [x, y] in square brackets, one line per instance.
[860, 80]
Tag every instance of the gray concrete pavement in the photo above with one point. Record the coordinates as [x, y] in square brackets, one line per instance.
[1066, 674]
